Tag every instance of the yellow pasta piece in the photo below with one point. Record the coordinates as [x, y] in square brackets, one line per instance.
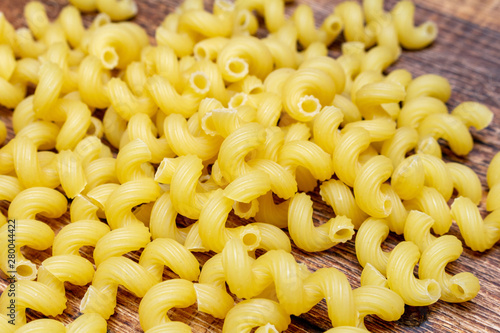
[412, 37]
[117, 10]
[351, 15]
[465, 181]
[310, 238]
[430, 85]
[346, 156]
[415, 292]
[379, 301]
[369, 238]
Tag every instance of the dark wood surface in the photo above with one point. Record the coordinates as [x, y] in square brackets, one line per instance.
[467, 53]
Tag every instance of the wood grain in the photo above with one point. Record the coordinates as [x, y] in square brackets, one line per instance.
[466, 52]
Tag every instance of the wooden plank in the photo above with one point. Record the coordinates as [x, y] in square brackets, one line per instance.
[466, 52]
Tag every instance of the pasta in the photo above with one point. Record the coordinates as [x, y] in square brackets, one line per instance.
[211, 138]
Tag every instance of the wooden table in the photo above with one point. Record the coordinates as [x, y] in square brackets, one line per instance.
[467, 53]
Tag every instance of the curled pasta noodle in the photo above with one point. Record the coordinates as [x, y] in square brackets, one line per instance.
[84, 323]
[412, 37]
[77, 234]
[379, 129]
[162, 223]
[369, 239]
[461, 287]
[36, 18]
[282, 182]
[306, 30]
[413, 291]
[473, 114]
[416, 109]
[310, 238]
[265, 314]
[465, 181]
[10, 187]
[306, 154]
[297, 289]
[181, 293]
[431, 202]
[351, 15]
[31, 233]
[367, 192]
[238, 59]
[93, 77]
[379, 301]
[325, 128]
[306, 92]
[209, 48]
[108, 44]
[404, 140]
[71, 173]
[128, 195]
[370, 276]
[248, 187]
[269, 212]
[132, 162]
[272, 11]
[37, 200]
[493, 179]
[418, 229]
[183, 174]
[117, 10]
[168, 35]
[125, 103]
[346, 156]
[198, 21]
[480, 235]
[430, 85]
[213, 232]
[71, 22]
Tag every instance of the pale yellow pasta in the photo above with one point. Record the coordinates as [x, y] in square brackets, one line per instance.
[430, 85]
[77, 120]
[413, 291]
[450, 128]
[179, 293]
[199, 21]
[90, 149]
[340, 197]
[465, 181]
[307, 33]
[142, 127]
[346, 156]
[119, 205]
[183, 174]
[351, 14]
[379, 58]
[71, 22]
[117, 10]
[418, 229]
[379, 129]
[348, 108]
[125, 103]
[73, 236]
[266, 315]
[370, 236]
[47, 92]
[120, 241]
[410, 36]
[370, 276]
[84, 323]
[296, 131]
[85, 5]
[431, 202]
[404, 140]
[305, 93]
[269, 212]
[473, 114]
[225, 121]
[308, 155]
[457, 288]
[367, 191]
[273, 11]
[493, 199]
[36, 18]
[10, 187]
[297, 289]
[71, 173]
[379, 301]
[167, 34]
[416, 109]
[430, 146]
[82, 208]
[493, 179]
[398, 213]
[27, 70]
[118, 44]
[283, 54]
[170, 101]
[275, 137]
[479, 235]
[114, 127]
[282, 182]
[132, 162]
[239, 59]
[310, 238]
[246, 210]
[248, 187]
[209, 48]
[408, 178]
[28, 232]
[212, 220]
[93, 77]
[244, 23]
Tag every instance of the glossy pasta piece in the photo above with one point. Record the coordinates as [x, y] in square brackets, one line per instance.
[418, 229]
[346, 156]
[465, 181]
[412, 37]
[415, 292]
[370, 236]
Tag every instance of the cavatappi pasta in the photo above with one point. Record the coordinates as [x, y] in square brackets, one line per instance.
[212, 126]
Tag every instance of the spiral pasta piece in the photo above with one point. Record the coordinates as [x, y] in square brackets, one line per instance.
[10, 187]
[416, 292]
[412, 37]
[493, 179]
[310, 238]
[369, 239]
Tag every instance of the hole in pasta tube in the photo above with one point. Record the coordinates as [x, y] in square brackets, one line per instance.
[199, 82]
[237, 68]
[387, 206]
[243, 19]
[109, 58]
[269, 328]
[430, 29]
[457, 290]
[309, 105]
[332, 25]
[207, 124]
[101, 20]
[433, 289]
[200, 52]
[238, 100]
[25, 271]
[249, 239]
[343, 234]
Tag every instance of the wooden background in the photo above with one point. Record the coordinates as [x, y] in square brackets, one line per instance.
[467, 53]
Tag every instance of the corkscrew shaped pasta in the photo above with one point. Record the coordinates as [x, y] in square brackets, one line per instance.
[93, 77]
[31, 233]
[479, 235]
[493, 179]
[351, 14]
[410, 36]
[404, 140]
[296, 288]
[183, 175]
[265, 314]
[12, 88]
[117, 10]
[200, 22]
[132, 162]
[139, 277]
[310, 238]
[325, 128]
[307, 33]
[126, 103]
[178, 293]
[400, 265]
[369, 238]
[416, 109]
[184, 141]
[272, 11]
[10, 187]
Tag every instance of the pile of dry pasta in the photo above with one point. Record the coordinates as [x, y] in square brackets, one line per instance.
[212, 121]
